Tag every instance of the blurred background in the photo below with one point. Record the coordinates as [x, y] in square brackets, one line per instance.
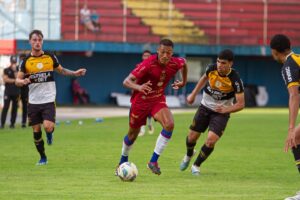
[108, 37]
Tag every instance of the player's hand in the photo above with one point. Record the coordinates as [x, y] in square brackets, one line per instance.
[145, 88]
[290, 141]
[177, 84]
[221, 109]
[190, 98]
[26, 81]
[80, 72]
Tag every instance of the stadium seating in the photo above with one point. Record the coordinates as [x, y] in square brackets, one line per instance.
[167, 24]
[111, 20]
[242, 22]
[192, 21]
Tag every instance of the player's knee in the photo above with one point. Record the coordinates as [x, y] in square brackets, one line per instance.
[192, 138]
[210, 142]
[169, 125]
[49, 128]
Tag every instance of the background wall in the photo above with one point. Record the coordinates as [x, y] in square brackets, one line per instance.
[106, 72]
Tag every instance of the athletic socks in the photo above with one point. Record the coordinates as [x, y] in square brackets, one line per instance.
[161, 144]
[127, 144]
[39, 143]
[296, 152]
[189, 147]
[203, 154]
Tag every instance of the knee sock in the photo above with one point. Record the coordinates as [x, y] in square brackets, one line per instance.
[203, 154]
[39, 143]
[127, 144]
[50, 131]
[189, 147]
[161, 144]
[296, 152]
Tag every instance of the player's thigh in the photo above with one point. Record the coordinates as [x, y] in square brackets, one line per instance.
[34, 114]
[201, 120]
[163, 115]
[138, 115]
[48, 112]
[218, 123]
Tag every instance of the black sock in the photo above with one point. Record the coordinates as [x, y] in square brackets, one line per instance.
[203, 154]
[296, 152]
[189, 147]
[39, 143]
[50, 131]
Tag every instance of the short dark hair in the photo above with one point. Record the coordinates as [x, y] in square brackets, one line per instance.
[146, 51]
[280, 43]
[166, 42]
[226, 54]
[38, 32]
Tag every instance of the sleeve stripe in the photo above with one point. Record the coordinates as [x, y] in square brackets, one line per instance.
[293, 84]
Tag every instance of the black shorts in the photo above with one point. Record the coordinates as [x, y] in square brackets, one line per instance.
[205, 118]
[37, 113]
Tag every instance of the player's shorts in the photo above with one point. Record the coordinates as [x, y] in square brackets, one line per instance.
[206, 117]
[37, 113]
[139, 112]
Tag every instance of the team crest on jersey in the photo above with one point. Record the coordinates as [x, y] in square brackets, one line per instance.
[40, 65]
[218, 84]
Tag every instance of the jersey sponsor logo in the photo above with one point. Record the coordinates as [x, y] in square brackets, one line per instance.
[288, 73]
[238, 87]
[41, 77]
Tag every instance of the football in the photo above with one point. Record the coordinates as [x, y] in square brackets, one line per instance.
[127, 171]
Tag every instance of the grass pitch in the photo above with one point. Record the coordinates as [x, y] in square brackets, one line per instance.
[248, 162]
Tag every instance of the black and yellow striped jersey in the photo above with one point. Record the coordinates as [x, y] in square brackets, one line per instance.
[39, 69]
[221, 90]
[290, 70]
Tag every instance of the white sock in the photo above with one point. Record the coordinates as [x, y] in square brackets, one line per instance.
[161, 144]
[125, 149]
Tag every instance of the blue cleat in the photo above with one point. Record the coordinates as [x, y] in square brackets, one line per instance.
[42, 161]
[153, 166]
[185, 162]
[49, 138]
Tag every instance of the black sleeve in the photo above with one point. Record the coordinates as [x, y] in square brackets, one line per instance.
[237, 82]
[290, 73]
[55, 60]
[5, 71]
[22, 67]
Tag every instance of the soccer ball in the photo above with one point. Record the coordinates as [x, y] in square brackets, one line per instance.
[127, 171]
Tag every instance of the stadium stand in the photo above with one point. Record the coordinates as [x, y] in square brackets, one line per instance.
[227, 22]
[111, 20]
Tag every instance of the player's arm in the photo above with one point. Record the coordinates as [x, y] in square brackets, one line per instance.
[179, 84]
[237, 106]
[20, 80]
[201, 83]
[293, 112]
[6, 79]
[68, 72]
[130, 82]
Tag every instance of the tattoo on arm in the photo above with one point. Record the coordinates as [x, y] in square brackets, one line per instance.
[67, 72]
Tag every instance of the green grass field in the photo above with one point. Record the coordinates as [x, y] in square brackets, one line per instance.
[248, 162]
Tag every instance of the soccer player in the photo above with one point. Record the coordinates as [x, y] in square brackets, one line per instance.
[36, 71]
[149, 80]
[146, 54]
[281, 52]
[223, 94]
